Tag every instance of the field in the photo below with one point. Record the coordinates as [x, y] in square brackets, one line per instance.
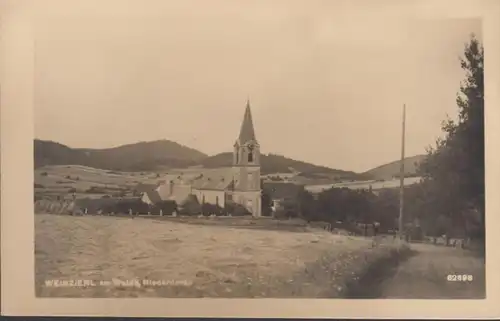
[226, 257]
[219, 258]
[375, 185]
[59, 179]
[195, 260]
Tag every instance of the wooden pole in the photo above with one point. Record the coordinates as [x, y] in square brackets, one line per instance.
[402, 177]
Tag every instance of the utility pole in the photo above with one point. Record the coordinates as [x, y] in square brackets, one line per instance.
[402, 177]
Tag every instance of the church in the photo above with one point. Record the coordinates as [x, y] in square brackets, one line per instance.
[239, 183]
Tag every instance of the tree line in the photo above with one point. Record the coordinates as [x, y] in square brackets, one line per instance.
[450, 198]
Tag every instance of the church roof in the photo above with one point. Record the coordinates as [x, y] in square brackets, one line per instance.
[247, 132]
[204, 179]
[219, 179]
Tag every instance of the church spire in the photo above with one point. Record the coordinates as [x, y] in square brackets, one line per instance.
[247, 132]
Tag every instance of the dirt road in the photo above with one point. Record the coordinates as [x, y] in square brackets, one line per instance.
[428, 272]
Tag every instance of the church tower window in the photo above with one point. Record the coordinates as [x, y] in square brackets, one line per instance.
[250, 157]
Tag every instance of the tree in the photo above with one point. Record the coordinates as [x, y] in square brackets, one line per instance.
[454, 168]
[266, 204]
[307, 205]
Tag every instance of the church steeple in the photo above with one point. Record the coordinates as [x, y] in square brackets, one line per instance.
[246, 147]
[247, 132]
[246, 166]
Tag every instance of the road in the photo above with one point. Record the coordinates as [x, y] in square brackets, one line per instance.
[424, 274]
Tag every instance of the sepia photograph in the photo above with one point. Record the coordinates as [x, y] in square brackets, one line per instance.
[335, 151]
[239, 153]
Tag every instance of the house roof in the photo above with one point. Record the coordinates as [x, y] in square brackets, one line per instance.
[189, 198]
[281, 190]
[215, 180]
[180, 194]
[247, 132]
[154, 196]
[208, 179]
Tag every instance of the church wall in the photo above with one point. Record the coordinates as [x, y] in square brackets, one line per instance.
[211, 197]
[177, 192]
[253, 178]
[242, 197]
[165, 191]
[249, 178]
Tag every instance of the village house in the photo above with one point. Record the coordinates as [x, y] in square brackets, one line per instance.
[149, 193]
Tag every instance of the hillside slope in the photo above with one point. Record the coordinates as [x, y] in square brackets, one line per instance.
[392, 169]
[151, 156]
[272, 163]
[131, 157]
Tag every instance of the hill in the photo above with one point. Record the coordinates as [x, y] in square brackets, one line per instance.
[392, 169]
[157, 155]
[272, 163]
[141, 156]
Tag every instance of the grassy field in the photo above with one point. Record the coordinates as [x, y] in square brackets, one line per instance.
[59, 179]
[193, 260]
[375, 185]
[227, 258]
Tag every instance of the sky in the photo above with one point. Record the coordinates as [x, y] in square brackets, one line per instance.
[326, 80]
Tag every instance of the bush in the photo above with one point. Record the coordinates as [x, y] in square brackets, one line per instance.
[236, 209]
[136, 205]
[266, 204]
[285, 213]
[191, 206]
[208, 209]
[168, 207]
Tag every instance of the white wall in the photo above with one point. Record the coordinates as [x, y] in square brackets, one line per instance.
[211, 197]
[145, 199]
[164, 191]
[254, 196]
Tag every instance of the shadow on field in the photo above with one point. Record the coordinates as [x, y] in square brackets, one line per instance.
[369, 285]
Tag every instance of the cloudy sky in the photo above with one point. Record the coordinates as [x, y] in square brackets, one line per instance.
[326, 79]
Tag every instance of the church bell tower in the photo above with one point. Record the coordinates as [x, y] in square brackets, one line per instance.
[246, 163]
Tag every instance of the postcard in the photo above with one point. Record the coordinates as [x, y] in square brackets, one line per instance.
[253, 159]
